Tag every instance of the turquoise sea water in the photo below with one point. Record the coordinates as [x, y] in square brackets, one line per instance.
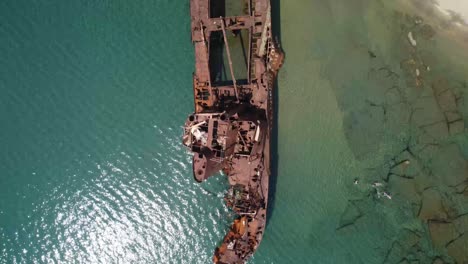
[92, 169]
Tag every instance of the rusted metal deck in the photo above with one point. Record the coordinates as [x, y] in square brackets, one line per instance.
[230, 129]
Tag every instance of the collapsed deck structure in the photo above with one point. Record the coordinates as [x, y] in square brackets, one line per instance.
[236, 63]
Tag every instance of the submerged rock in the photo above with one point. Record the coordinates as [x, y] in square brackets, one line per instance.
[442, 233]
[449, 165]
[351, 214]
[432, 207]
[457, 249]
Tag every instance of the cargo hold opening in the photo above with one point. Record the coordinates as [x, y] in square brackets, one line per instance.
[226, 8]
[238, 41]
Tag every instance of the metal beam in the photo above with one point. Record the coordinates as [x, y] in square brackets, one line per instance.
[229, 58]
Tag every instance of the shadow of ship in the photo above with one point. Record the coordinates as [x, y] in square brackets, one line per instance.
[276, 28]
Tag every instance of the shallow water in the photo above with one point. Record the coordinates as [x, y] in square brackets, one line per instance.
[374, 108]
[93, 169]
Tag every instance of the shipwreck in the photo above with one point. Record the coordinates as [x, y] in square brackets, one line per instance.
[236, 63]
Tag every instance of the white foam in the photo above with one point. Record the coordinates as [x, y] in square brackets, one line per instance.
[411, 39]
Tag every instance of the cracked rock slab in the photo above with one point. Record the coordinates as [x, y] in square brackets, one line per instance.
[432, 206]
[458, 249]
[442, 233]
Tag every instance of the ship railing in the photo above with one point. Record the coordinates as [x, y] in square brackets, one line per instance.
[219, 156]
[243, 155]
[217, 160]
[245, 213]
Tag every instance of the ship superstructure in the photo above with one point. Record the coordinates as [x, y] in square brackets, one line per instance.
[230, 130]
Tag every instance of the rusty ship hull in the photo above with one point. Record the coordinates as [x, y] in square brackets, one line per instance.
[236, 63]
